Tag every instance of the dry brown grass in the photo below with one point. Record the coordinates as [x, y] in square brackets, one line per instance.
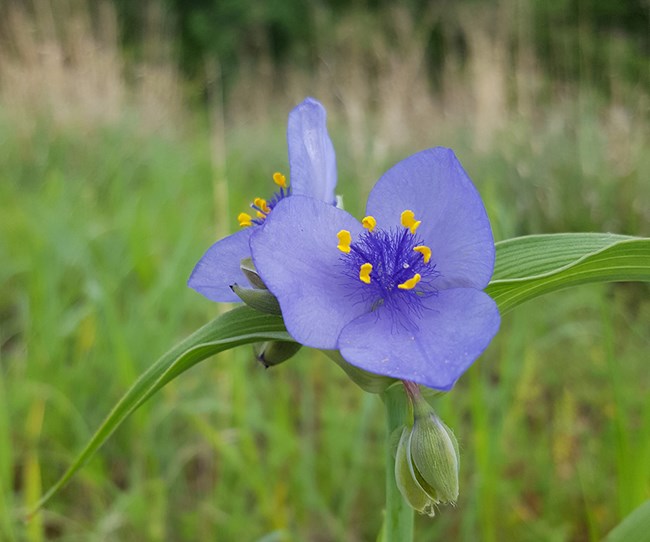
[65, 64]
[62, 60]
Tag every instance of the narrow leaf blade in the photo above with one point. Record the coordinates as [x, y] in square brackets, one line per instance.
[635, 527]
[242, 325]
[527, 267]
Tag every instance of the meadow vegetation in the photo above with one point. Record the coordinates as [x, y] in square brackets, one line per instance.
[117, 172]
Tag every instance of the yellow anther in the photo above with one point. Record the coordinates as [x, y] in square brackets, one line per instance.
[280, 180]
[425, 251]
[244, 219]
[410, 283]
[260, 215]
[408, 220]
[345, 239]
[364, 272]
[261, 204]
[369, 223]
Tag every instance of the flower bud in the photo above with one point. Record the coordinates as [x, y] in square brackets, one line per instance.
[261, 300]
[272, 353]
[427, 460]
[257, 296]
[435, 457]
[406, 481]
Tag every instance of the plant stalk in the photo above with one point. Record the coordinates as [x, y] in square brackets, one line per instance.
[398, 519]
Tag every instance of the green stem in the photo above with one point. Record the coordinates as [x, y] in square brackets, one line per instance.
[398, 521]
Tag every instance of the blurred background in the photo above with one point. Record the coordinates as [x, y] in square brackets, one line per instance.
[133, 133]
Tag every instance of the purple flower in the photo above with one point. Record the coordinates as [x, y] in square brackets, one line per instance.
[312, 166]
[399, 294]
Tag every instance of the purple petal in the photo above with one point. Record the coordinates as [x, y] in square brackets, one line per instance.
[219, 267]
[455, 226]
[455, 327]
[295, 254]
[311, 153]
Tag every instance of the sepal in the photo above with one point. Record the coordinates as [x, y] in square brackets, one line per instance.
[261, 300]
[248, 268]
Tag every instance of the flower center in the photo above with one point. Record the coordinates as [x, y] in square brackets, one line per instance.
[263, 207]
[389, 267]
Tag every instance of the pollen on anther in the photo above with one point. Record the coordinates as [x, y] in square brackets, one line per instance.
[364, 272]
[244, 219]
[262, 205]
[410, 283]
[425, 251]
[369, 222]
[345, 239]
[408, 220]
[260, 215]
[280, 180]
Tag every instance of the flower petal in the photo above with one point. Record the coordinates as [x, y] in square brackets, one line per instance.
[295, 254]
[455, 226]
[219, 267]
[311, 153]
[455, 327]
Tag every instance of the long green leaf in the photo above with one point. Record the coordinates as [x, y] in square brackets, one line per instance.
[527, 267]
[634, 528]
[239, 326]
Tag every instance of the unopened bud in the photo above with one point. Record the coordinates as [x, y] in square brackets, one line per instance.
[272, 353]
[427, 461]
[435, 457]
[406, 480]
[261, 300]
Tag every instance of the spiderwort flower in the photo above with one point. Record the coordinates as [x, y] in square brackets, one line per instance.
[312, 166]
[399, 294]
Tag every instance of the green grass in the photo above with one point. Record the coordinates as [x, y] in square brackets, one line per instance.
[99, 230]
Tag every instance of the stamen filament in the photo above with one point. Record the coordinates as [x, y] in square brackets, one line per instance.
[410, 283]
[262, 205]
[345, 239]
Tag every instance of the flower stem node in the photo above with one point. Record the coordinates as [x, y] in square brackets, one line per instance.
[428, 461]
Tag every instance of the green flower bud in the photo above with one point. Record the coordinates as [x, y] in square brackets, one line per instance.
[257, 296]
[435, 457]
[272, 353]
[427, 460]
[406, 481]
[261, 300]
